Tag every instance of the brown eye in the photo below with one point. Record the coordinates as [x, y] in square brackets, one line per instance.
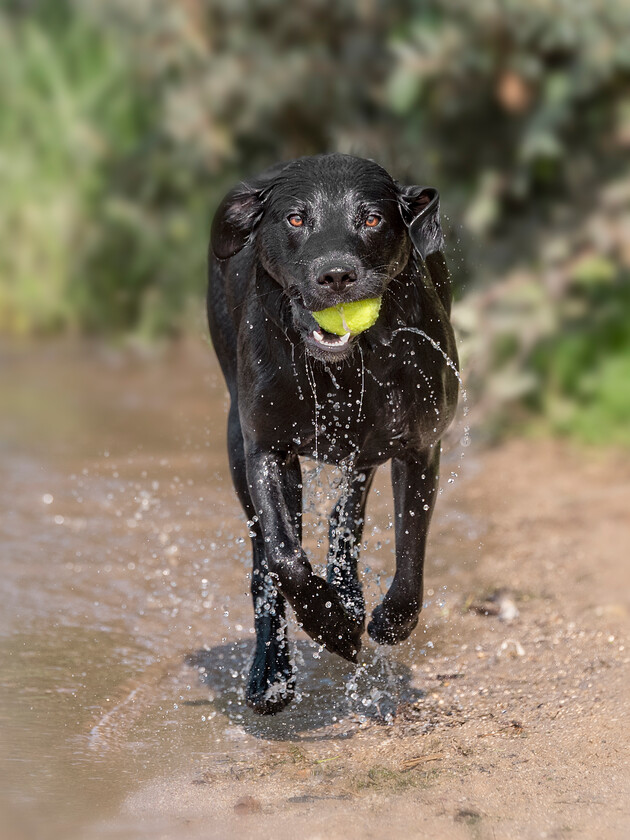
[296, 220]
[372, 220]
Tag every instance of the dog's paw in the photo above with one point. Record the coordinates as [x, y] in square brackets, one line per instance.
[347, 643]
[270, 699]
[350, 594]
[390, 625]
[271, 681]
[323, 616]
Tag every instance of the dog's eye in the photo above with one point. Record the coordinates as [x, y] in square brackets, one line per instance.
[373, 220]
[295, 220]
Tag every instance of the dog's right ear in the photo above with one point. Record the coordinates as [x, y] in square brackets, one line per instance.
[240, 212]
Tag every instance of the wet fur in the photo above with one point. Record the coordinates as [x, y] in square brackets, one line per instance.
[389, 395]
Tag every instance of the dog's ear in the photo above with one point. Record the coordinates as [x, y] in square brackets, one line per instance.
[420, 208]
[240, 212]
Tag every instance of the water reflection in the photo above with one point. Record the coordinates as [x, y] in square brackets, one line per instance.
[330, 690]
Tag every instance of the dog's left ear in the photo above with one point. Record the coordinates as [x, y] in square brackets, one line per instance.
[420, 208]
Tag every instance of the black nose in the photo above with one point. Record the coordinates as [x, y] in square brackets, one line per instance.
[337, 278]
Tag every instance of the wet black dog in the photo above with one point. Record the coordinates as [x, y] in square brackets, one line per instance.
[302, 237]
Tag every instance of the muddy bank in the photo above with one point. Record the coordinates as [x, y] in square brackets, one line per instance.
[522, 726]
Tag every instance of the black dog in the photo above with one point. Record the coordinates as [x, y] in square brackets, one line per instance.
[301, 237]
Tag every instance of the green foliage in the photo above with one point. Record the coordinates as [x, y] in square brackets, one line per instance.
[522, 110]
[556, 339]
[124, 122]
[584, 366]
[100, 228]
[61, 113]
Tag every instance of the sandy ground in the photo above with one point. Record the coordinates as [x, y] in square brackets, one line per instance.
[521, 726]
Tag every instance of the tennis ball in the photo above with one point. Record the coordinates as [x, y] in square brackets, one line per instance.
[353, 317]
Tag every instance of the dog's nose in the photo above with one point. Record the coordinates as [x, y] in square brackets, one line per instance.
[337, 278]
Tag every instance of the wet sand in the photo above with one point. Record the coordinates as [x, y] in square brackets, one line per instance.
[125, 633]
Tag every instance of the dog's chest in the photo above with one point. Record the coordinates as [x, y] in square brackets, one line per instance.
[371, 418]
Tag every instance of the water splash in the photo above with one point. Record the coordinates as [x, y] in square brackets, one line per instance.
[451, 364]
[362, 384]
[311, 379]
[377, 686]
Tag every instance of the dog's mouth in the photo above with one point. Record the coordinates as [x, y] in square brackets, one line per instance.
[330, 341]
[319, 342]
[327, 346]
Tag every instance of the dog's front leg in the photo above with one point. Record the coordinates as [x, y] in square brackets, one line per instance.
[274, 482]
[415, 482]
[346, 528]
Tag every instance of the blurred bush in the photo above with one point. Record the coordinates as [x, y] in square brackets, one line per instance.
[123, 123]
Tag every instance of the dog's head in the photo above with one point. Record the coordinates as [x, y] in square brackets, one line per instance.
[328, 229]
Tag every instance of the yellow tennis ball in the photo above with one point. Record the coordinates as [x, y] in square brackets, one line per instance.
[353, 317]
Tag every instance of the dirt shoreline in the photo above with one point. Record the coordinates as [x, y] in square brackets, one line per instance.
[522, 731]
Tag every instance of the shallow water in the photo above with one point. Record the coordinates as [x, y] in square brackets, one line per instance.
[125, 623]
